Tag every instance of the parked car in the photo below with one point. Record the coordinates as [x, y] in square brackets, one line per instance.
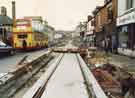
[6, 49]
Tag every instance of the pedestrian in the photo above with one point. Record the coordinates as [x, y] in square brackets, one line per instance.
[114, 45]
[103, 44]
[106, 46]
[24, 44]
[109, 45]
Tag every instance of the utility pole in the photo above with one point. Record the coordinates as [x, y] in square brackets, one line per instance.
[14, 13]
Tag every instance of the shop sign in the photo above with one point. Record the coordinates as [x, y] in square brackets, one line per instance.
[126, 19]
[89, 33]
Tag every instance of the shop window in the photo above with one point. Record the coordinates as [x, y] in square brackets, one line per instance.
[129, 4]
[123, 37]
[22, 36]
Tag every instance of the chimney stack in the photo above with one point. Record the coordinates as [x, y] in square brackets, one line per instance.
[89, 18]
[13, 12]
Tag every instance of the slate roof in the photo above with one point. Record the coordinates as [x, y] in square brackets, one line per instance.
[5, 20]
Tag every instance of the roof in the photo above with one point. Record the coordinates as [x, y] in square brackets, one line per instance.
[22, 19]
[5, 20]
[34, 18]
[98, 8]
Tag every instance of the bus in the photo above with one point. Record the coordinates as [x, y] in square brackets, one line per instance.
[26, 37]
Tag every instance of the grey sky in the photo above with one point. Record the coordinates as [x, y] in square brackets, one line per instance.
[62, 14]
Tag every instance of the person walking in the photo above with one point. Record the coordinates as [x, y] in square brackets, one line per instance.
[114, 45]
[103, 44]
[110, 45]
[24, 44]
[106, 46]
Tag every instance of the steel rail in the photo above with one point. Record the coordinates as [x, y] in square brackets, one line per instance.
[15, 80]
[85, 80]
[93, 86]
[56, 91]
[39, 87]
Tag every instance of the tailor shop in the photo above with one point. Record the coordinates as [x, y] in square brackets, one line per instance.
[126, 30]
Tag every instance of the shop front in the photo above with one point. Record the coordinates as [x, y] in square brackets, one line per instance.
[126, 36]
[89, 39]
[126, 33]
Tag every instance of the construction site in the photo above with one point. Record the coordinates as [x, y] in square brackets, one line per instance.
[51, 49]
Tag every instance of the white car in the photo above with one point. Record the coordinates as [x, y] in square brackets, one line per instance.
[5, 49]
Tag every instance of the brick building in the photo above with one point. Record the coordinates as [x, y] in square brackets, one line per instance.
[105, 21]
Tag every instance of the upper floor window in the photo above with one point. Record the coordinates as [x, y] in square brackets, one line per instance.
[93, 23]
[110, 12]
[99, 19]
[129, 4]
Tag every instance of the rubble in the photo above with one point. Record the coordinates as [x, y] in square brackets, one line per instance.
[116, 81]
[97, 58]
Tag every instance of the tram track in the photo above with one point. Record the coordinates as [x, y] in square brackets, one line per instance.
[93, 87]
[39, 88]
[15, 80]
[40, 91]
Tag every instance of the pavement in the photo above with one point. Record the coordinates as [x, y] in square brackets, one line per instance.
[125, 62]
[122, 60]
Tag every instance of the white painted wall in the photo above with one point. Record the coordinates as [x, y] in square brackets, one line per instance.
[89, 26]
[58, 36]
[51, 34]
[122, 7]
[37, 25]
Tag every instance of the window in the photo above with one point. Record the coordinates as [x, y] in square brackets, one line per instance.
[92, 23]
[129, 4]
[123, 36]
[110, 12]
[22, 36]
[99, 19]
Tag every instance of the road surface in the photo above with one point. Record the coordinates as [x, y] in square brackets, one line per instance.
[9, 63]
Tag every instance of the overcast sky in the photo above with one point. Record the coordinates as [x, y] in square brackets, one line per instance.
[62, 14]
